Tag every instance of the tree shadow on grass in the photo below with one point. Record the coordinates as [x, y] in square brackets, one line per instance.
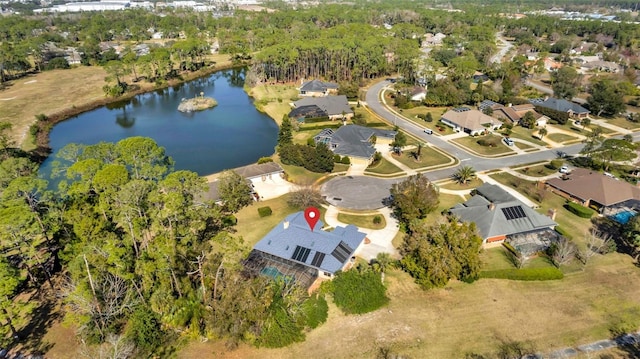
[31, 336]
[631, 350]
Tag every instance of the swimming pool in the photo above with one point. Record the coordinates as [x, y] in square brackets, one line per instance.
[623, 217]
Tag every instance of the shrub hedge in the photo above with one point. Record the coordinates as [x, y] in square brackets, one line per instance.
[264, 211]
[549, 273]
[562, 231]
[358, 293]
[316, 119]
[579, 210]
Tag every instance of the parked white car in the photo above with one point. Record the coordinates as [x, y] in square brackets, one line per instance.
[508, 141]
[564, 169]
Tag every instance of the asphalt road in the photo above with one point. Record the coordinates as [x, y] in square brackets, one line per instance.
[549, 91]
[365, 193]
[466, 159]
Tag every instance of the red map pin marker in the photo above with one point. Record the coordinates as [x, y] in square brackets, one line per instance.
[312, 215]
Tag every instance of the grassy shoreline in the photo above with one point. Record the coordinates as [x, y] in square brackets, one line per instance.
[44, 126]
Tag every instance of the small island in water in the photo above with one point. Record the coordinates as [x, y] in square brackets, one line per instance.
[197, 103]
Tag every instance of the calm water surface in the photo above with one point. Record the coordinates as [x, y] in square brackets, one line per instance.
[229, 135]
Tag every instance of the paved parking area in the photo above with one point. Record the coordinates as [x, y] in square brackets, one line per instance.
[357, 192]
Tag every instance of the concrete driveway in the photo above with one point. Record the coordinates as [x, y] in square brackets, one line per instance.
[380, 240]
[357, 192]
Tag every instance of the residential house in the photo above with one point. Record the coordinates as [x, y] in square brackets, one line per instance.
[562, 105]
[433, 40]
[141, 50]
[354, 141]
[532, 55]
[500, 217]
[480, 77]
[513, 114]
[469, 121]
[73, 57]
[418, 93]
[551, 64]
[292, 251]
[317, 88]
[253, 174]
[595, 190]
[585, 47]
[335, 107]
[600, 66]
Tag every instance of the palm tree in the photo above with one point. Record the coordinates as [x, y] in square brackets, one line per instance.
[542, 132]
[381, 263]
[464, 174]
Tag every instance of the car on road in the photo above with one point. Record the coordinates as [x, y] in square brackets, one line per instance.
[428, 131]
[508, 141]
[564, 169]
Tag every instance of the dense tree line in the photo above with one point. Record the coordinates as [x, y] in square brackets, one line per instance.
[137, 251]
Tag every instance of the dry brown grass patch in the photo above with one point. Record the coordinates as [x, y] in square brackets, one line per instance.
[47, 93]
[474, 318]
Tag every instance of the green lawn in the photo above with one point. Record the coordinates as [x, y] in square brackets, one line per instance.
[537, 171]
[251, 227]
[384, 167]
[362, 220]
[339, 167]
[274, 99]
[472, 144]
[436, 112]
[446, 201]
[455, 186]
[525, 134]
[301, 176]
[497, 258]
[621, 121]
[428, 157]
[561, 137]
[523, 146]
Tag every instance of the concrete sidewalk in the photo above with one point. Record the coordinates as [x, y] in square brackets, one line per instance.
[385, 150]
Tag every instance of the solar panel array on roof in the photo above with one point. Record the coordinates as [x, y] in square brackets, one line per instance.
[461, 109]
[514, 212]
[342, 252]
[300, 254]
[317, 259]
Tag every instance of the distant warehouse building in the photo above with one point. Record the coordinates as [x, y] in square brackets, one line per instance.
[86, 6]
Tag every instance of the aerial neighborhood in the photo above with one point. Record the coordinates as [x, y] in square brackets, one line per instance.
[391, 179]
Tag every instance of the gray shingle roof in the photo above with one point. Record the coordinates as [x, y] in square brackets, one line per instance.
[353, 140]
[257, 170]
[332, 105]
[498, 221]
[561, 105]
[283, 240]
[318, 86]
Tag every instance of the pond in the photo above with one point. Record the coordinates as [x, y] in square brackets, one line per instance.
[229, 135]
